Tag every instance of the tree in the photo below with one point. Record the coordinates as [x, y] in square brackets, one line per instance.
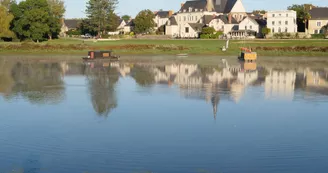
[57, 10]
[303, 15]
[144, 22]
[113, 21]
[5, 20]
[126, 18]
[7, 3]
[31, 19]
[100, 14]
[259, 12]
[208, 30]
[86, 27]
[266, 31]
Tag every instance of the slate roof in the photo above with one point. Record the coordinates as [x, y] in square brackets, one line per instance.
[72, 23]
[163, 14]
[173, 21]
[208, 18]
[261, 22]
[225, 19]
[319, 13]
[130, 23]
[225, 7]
[196, 26]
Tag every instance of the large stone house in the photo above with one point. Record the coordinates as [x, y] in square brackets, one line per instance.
[190, 17]
[161, 17]
[282, 21]
[319, 18]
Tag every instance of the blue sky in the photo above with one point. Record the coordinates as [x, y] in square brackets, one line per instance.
[76, 8]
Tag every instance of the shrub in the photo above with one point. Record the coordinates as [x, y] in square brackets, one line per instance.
[208, 30]
[73, 32]
[318, 36]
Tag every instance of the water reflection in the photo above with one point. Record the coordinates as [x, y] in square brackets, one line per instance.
[43, 83]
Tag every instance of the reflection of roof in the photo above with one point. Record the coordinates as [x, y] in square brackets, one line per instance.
[319, 13]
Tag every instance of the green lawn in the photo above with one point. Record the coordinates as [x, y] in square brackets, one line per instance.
[196, 47]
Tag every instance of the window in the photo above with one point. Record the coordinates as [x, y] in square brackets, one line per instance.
[279, 30]
[286, 29]
[273, 22]
[179, 18]
[192, 18]
[245, 27]
[190, 9]
[250, 27]
[272, 30]
[316, 31]
[184, 10]
[196, 10]
[222, 27]
[184, 18]
[187, 30]
[286, 22]
[196, 18]
[201, 9]
[279, 14]
[286, 15]
[279, 22]
[318, 23]
[273, 15]
[321, 31]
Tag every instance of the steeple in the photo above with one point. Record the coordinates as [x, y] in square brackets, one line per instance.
[210, 5]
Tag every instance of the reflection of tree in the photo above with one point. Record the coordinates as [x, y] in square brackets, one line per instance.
[102, 82]
[143, 76]
[6, 81]
[38, 82]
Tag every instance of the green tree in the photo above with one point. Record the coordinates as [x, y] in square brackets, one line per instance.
[266, 31]
[101, 14]
[5, 20]
[143, 76]
[144, 22]
[126, 18]
[113, 21]
[87, 27]
[31, 19]
[7, 3]
[259, 12]
[303, 15]
[208, 30]
[57, 10]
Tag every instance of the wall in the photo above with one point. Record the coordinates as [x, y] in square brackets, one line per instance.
[282, 16]
[313, 26]
[217, 24]
[251, 25]
[172, 30]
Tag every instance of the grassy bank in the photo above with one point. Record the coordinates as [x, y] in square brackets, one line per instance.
[169, 47]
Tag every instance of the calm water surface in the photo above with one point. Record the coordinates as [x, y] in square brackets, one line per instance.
[178, 118]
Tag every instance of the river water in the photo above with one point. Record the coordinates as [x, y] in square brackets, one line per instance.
[74, 117]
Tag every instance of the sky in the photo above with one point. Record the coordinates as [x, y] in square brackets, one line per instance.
[76, 8]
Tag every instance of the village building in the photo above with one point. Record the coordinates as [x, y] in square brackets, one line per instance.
[282, 21]
[161, 18]
[190, 18]
[69, 24]
[319, 19]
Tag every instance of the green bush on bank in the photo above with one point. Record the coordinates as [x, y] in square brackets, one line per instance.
[318, 36]
[215, 35]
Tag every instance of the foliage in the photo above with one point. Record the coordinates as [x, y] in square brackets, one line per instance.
[142, 76]
[31, 19]
[325, 30]
[208, 30]
[214, 35]
[318, 36]
[5, 20]
[86, 27]
[113, 22]
[99, 12]
[259, 11]
[56, 14]
[73, 32]
[266, 30]
[303, 15]
[161, 30]
[144, 22]
[126, 18]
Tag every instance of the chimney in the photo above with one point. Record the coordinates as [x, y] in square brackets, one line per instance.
[182, 4]
[230, 18]
[170, 13]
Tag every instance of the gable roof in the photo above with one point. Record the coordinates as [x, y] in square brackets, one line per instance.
[208, 19]
[130, 23]
[225, 19]
[72, 23]
[225, 6]
[319, 13]
[172, 21]
[163, 14]
[196, 26]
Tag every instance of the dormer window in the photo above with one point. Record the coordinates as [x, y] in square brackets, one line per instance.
[201, 9]
[196, 10]
[190, 9]
[184, 10]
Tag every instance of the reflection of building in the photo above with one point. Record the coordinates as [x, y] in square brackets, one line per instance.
[280, 84]
[243, 80]
[313, 79]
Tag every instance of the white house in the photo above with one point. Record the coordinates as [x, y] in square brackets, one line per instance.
[161, 17]
[252, 24]
[282, 21]
[224, 23]
[121, 26]
[193, 12]
[171, 27]
[129, 27]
